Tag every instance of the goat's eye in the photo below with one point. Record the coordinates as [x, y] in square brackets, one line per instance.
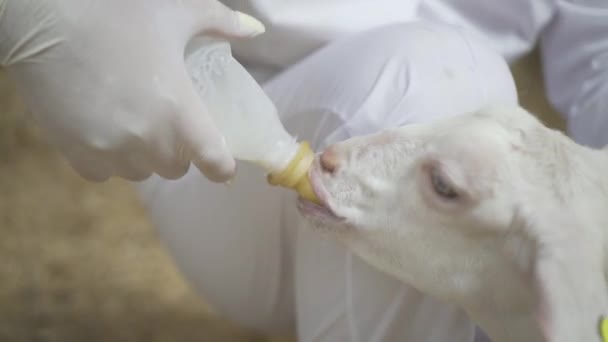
[441, 187]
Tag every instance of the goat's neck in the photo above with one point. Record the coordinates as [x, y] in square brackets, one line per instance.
[570, 298]
[505, 309]
[563, 303]
[504, 327]
[577, 318]
[580, 323]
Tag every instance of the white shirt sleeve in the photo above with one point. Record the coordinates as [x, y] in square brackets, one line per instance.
[574, 49]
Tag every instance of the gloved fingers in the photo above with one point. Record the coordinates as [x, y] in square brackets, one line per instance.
[159, 153]
[215, 18]
[209, 151]
[89, 164]
[136, 163]
[171, 165]
[133, 166]
[204, 143]
[132, 172]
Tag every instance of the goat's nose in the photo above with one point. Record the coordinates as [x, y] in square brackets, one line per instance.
[329, 160]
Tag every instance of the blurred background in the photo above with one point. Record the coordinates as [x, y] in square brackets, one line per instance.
[80, 262]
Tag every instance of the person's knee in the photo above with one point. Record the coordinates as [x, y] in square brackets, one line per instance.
[425, 70]
[397, 74]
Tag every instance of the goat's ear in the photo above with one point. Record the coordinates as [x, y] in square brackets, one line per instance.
[570, 282]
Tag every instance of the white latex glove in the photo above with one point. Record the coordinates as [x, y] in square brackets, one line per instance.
[107, 80]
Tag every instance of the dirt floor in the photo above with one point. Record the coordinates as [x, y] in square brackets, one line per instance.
[80, 262]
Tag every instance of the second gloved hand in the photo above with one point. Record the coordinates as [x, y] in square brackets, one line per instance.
[108, 83]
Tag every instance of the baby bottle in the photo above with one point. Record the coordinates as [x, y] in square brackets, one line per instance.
[247, 117]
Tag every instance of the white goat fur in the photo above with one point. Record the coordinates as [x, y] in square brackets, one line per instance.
[522, 248]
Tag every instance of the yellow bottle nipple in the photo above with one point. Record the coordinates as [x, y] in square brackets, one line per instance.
[295, 175]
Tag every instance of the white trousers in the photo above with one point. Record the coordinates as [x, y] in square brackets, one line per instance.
[244, 247]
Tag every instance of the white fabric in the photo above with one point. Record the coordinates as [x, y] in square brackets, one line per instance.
[574, 36]
[575, 60]
[242, 246]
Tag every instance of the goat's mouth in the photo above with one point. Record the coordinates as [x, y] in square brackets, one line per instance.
[314, 210]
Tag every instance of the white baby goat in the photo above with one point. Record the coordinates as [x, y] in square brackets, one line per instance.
[490, 210]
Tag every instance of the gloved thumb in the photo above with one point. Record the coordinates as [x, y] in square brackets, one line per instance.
[205, 144]
[222, 21]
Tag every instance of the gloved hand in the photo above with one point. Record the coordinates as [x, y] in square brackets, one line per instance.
[108, 82]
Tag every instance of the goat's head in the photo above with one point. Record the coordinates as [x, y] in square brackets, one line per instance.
[490, 210]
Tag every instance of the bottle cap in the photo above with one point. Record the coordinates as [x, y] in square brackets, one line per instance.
[295, 175]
